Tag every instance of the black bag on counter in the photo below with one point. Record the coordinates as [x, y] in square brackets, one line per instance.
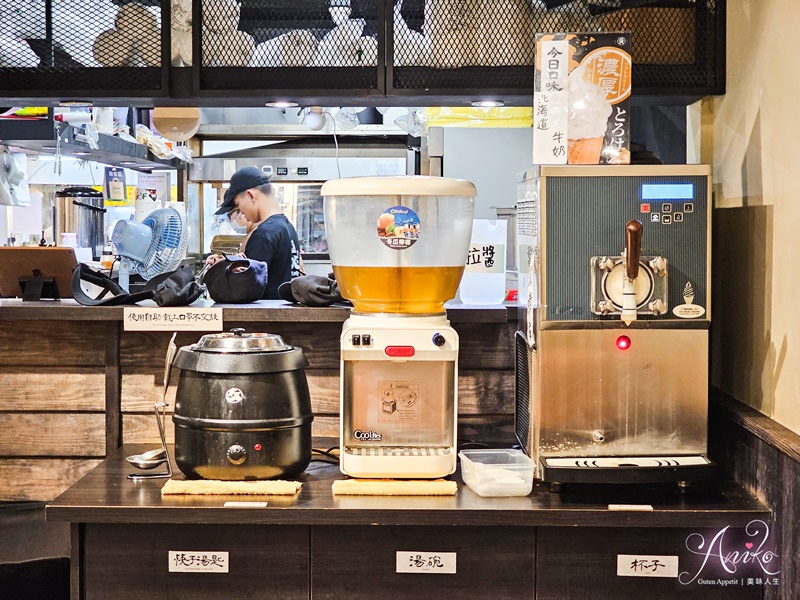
[110, 294]
[236, 280]
[177, 288]
[311, 290]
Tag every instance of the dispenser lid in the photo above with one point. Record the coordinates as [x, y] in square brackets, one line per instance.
[411, 185]
[240, 342]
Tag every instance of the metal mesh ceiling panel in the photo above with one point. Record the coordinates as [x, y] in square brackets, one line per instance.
[473, 44]
[297, 45]
[55, 46]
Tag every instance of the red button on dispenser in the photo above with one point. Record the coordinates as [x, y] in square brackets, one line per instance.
[399, 351]
[623, 342]
[257, 447]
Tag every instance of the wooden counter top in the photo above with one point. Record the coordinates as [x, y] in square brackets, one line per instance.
[106, 495]
[13, 309]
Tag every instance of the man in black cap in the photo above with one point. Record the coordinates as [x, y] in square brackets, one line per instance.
[274, 239]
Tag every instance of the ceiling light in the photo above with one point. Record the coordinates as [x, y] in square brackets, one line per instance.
[49, 148]
[127, 163]
[282, 104]
[75, 103]
[488, 103]
[82, 153]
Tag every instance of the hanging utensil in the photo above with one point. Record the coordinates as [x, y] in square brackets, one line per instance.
[172, 349]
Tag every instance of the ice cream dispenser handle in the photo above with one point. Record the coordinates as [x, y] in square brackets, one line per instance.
[633, 248]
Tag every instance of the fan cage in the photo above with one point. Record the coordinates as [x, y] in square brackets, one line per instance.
[168, 246]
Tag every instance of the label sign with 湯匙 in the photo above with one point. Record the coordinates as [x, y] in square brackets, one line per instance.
[425, 562]
[645, 565]
[184, 318]
[198, 561]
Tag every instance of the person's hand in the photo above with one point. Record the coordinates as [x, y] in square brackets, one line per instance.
[213, 259]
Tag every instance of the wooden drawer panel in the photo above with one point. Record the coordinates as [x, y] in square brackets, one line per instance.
[359, 563]
[580, 563]
[131, 562]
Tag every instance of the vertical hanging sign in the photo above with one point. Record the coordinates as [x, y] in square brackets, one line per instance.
[550, 104]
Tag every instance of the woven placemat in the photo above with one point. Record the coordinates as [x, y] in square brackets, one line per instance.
[394, 487]
[215, 487]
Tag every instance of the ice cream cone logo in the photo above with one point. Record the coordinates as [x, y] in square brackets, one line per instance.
[688, 293]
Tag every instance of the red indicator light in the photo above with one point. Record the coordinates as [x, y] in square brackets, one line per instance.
[257, 447]
[623, 342]
[399, 351]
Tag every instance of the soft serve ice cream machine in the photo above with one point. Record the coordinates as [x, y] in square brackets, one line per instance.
[612, 352]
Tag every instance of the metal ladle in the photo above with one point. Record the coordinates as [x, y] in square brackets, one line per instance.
[139, 461]
[149, 459]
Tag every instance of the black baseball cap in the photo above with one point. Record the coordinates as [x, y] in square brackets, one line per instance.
[244, 179]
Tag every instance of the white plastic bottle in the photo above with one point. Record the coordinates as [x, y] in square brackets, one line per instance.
[484, 280]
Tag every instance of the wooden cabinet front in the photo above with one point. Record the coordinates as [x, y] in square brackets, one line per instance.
[132, 562]
[361, 562]
[580, 563]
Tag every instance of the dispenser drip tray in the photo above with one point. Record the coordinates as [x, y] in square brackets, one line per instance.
[626, 469]
[399, 451]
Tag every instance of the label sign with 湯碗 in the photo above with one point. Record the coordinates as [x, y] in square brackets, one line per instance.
[425, 562]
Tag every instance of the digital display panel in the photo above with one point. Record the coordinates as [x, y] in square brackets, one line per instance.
[667, 191]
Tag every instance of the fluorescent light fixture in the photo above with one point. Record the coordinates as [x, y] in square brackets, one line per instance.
[81, 153]
[75, 103]
[49, 148]
[128, 163]
[282, 104]
[488, 103]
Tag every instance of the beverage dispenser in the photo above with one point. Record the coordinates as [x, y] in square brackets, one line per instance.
[398, 247]
[612, 352]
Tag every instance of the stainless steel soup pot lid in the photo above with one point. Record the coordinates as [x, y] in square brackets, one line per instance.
[238, 341]
[240, 353]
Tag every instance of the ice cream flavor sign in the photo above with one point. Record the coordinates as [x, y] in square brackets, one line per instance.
[581, 99]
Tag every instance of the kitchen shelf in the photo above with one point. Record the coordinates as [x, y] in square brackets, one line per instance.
[40, 136]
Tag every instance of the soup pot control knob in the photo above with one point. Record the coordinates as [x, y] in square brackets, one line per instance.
[438, 340]
[237, 454]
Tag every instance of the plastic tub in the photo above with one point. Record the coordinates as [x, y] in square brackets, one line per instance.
[502, 472]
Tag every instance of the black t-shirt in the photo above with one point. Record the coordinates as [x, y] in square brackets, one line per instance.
[275, 242]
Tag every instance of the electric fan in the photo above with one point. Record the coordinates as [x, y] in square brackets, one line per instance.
[154, 246]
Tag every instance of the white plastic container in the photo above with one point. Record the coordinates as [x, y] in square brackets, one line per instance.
[484, 280]
[502, 472]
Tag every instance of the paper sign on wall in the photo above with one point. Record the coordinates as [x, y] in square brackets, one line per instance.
[184, 318]
[550, 104]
